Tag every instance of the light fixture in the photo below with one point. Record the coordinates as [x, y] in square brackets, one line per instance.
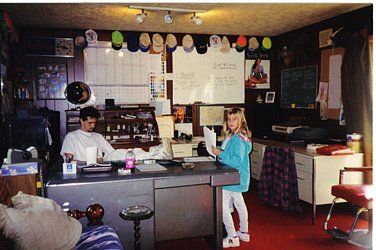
[196, 19]
[140, 18]
[168, 18]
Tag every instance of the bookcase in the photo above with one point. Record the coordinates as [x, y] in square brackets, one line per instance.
[129, 127]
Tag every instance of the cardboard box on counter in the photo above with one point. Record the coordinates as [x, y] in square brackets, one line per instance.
[19, 169]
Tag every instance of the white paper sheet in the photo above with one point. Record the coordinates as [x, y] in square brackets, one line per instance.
[210, 139]
[150, 167]
[199, 159]
[334, 98]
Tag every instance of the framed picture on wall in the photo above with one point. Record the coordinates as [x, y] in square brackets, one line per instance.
[269, 98]
[51, 80]
[257, 74]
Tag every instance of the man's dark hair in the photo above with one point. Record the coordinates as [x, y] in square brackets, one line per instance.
[87, 112]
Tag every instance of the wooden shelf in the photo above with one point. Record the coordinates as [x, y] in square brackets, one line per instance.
[133, 132]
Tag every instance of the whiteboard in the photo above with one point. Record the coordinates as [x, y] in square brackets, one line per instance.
[212, 78]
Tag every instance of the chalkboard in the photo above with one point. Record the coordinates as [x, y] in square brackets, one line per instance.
[298, 87]
[212, 78]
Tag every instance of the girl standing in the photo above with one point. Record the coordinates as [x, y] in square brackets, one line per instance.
[234, 152]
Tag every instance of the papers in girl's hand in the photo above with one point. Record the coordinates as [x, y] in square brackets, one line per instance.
[210, 140]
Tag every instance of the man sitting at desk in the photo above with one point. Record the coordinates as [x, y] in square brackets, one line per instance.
[76, 142]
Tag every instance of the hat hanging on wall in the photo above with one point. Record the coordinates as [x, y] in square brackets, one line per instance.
[157, 43]
[215, 41]
[201, 45]
[188, 44]
[171, 43]
[80, 42]
[225, 45]
[132, 40]
[144, 42]
[253, 44]
[241, 42]
[266, 43]
[117, 40]
[91, 37]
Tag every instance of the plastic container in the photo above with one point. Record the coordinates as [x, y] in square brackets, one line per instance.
[130, 159]
[354, 141]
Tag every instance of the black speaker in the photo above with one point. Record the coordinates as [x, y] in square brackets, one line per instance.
[110, 103]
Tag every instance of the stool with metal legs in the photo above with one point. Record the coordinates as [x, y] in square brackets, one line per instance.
[136, 214]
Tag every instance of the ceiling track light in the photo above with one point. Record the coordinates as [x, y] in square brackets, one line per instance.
[196, 19]
[168, 18]
[165, 9]
[140, 18]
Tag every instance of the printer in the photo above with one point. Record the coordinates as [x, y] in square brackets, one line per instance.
[20, 156]
[309, 135]
[287, 127]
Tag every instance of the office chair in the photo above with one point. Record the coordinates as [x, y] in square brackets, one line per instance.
[361, 195]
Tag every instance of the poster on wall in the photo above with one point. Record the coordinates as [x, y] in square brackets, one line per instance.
[51, 80]
[257, 74]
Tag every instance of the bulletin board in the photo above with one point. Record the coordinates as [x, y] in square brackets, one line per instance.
[332, 113]
[299, 87]
[212, 78]
[211, 115]
[51, 80]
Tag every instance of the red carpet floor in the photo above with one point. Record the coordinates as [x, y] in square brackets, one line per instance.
[272, 228]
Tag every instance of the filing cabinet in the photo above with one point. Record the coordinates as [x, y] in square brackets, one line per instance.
[256, 160]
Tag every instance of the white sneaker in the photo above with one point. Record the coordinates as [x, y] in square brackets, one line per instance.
[231, 242]
[243, 236]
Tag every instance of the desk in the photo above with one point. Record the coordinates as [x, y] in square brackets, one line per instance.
[187, 203]
[316, 173]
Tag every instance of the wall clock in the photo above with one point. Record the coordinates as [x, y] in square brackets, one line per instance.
[48, 46]
[64, 47]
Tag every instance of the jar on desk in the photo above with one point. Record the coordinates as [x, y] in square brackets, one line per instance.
[354, 141]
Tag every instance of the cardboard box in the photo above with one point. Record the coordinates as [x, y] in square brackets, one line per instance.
[19, 169]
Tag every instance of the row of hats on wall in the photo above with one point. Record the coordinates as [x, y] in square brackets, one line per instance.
[144, 43]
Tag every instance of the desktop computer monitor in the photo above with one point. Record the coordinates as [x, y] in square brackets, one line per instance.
[25, 132]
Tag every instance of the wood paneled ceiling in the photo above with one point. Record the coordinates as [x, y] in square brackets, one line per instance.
[259, 19]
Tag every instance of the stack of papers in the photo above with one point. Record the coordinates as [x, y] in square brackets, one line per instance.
[199, 159]
[150, 167]
[91, 165]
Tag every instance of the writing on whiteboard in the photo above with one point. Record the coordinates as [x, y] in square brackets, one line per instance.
[224, 66]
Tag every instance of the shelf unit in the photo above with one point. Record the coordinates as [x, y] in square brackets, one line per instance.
[130, 127]
[22, 89]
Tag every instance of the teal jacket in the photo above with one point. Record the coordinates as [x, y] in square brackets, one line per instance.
[236, 155]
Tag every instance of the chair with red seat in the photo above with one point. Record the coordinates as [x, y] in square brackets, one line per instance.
[360, 195]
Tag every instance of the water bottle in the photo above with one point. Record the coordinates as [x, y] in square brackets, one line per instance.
[129, 159]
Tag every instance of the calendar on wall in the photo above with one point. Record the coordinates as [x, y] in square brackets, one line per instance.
[128, 77]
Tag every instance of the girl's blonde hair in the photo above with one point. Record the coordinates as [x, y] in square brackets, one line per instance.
[242, 125]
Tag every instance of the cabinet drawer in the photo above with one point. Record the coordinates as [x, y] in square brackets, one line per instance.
[182, 150]
[305, 186]
[303, 163]
[256, 162]
[258, 150]
[255, 172]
